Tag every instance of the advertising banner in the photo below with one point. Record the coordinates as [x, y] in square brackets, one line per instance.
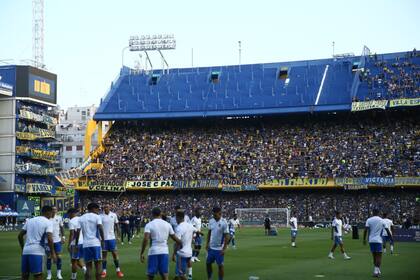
[25, 207]
[406, 235]
[404, 102]
[6, 89]
[368, 105]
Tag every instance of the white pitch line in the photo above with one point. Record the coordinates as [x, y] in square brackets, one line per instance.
[322, 85]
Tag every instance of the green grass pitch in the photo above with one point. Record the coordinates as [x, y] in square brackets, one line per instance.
[269, 258]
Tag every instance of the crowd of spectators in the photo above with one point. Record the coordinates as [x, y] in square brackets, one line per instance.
[319, 204]
[374, 145]
[393, 79]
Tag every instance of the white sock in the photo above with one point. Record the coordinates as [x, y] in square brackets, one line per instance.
[74, 275]
[58, 271]
[104, 270]
[376, 270]
[118, 269]
[84, 269]
[190, 271]
[49, 272]
[293, 243]
[392, 248]
[345, 255]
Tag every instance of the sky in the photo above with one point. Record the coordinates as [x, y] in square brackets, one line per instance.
[84, 38]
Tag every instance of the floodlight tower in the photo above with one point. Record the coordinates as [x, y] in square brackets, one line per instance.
[38, 33]
[157, 42]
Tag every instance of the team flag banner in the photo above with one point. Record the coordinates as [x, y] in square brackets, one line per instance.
[25, 136]
[196, 184]
[351, 183]
[35, 153]
[407, 181]
[38, 188]
[379, 181]
[363, 182]
[106, 188]
[20, 188]
[299, 182]
[136, 185]
[245, 188]
[368, 105]
[24, 114]
[404, 102]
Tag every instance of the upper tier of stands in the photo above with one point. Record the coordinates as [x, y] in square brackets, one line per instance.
[300, 86]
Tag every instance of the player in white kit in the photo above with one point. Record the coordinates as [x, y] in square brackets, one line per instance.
[385, 237]
[182, 254]
[111, 229]
[157, 233]
[76, 253]
[337, 236]
[217, 241]
[90, 226]
[198, 240]
[38, 232]
[233, 224]
[59, 239]
[374, 227]
[293, 229]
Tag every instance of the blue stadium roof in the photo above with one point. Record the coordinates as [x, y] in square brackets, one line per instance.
[254, 89]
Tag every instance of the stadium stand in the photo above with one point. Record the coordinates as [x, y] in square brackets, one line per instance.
[301, 86]
[225, 124]
[319, 204]
[262, 149]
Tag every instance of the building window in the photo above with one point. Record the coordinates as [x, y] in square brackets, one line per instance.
[79, 148]
[83, 113]
[80, 160]
[69, 148]
[68, 160]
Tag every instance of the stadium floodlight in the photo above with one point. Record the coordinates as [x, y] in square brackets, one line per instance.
[157, 42]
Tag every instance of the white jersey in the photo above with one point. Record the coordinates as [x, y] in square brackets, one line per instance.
[109, 221]
[376, 225]
[89, 226]
[185, 232]
[75, 225]
[338, 224]
[196, 222]
[218, 231]
[293, 223]
[159, 231]
[388, 224]
[235, 223]
[174, 224]
[57, 222]
[36, 235]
